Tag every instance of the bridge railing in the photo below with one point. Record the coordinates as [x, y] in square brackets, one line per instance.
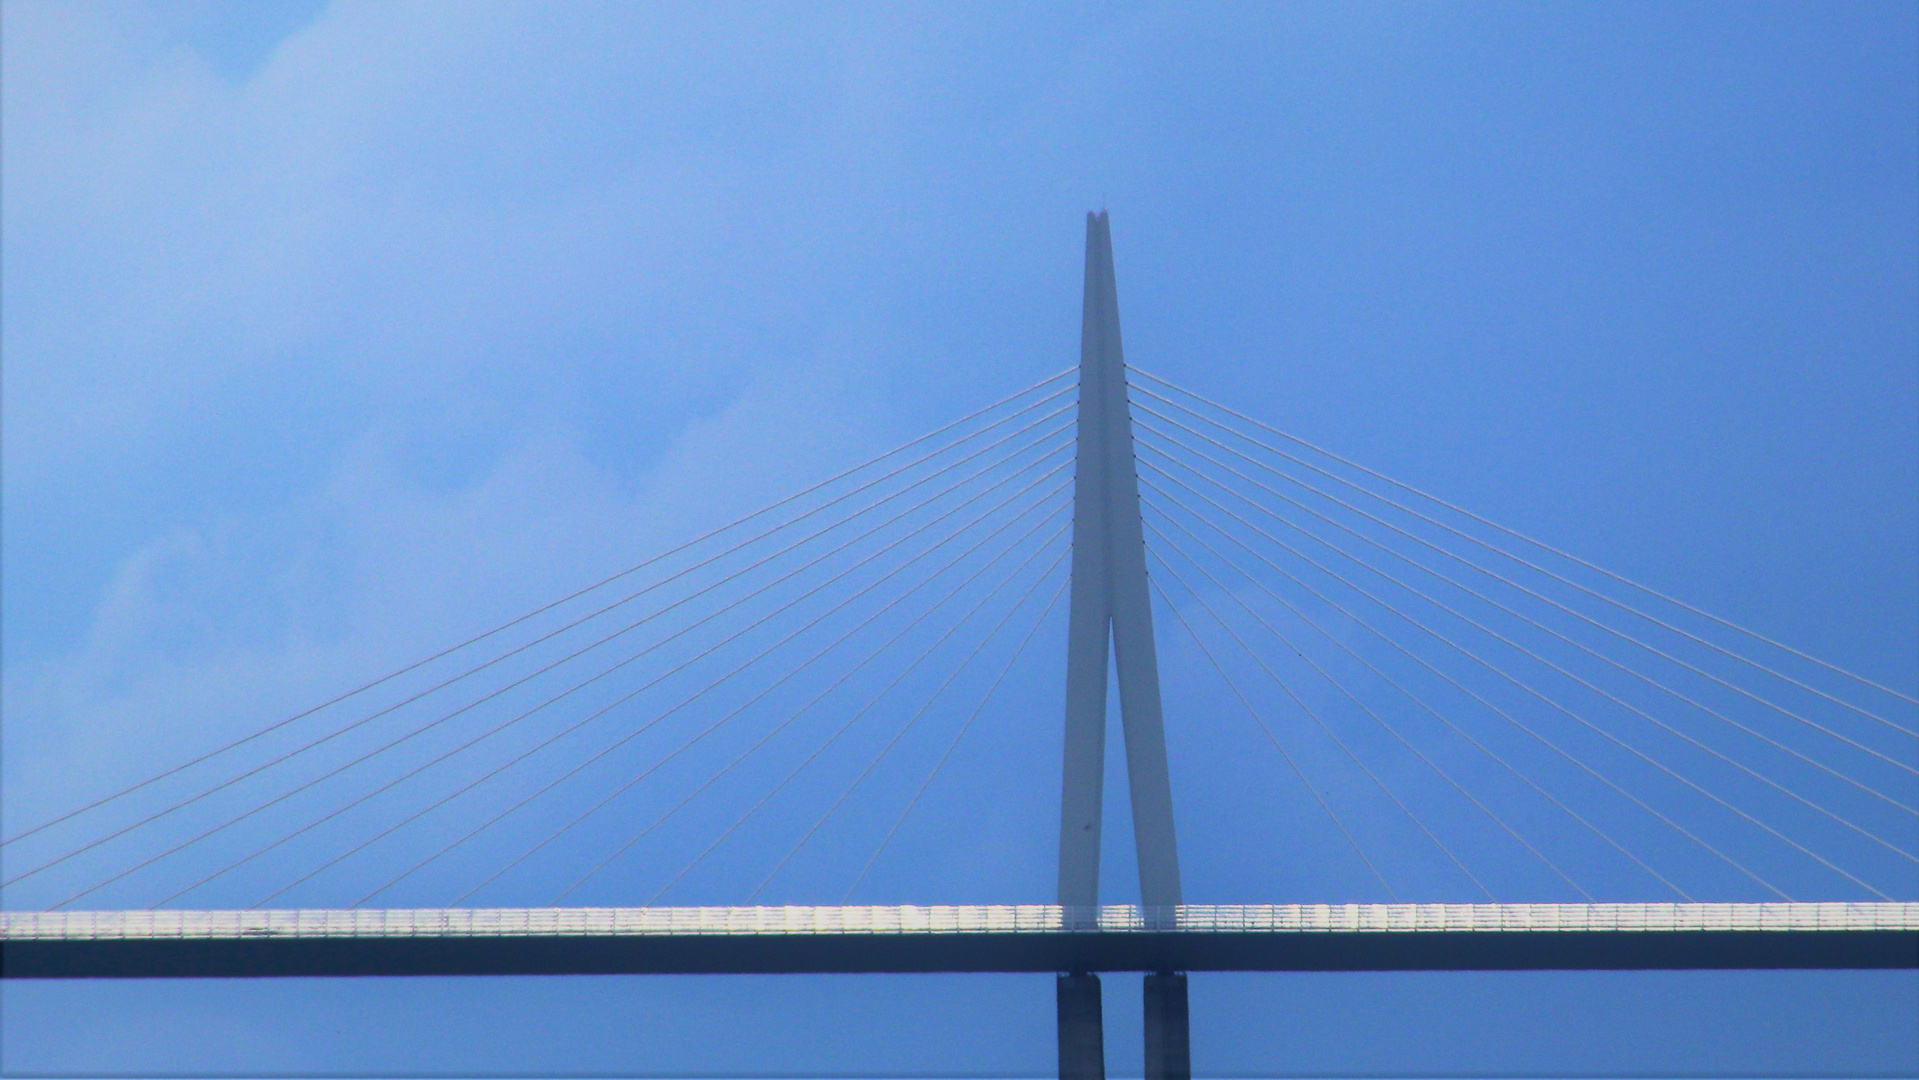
[995, 919]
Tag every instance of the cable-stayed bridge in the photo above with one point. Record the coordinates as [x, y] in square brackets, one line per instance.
[1483, 751]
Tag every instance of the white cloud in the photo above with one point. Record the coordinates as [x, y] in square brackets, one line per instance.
[383, 247]
[206, 634]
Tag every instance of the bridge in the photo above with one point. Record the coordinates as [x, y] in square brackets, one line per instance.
[1609, 777]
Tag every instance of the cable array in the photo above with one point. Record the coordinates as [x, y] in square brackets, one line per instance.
[1500, 702]
[1444, 708]
[659, 685]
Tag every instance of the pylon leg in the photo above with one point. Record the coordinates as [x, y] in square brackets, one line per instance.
[1082, 1038]
[1169, 1053]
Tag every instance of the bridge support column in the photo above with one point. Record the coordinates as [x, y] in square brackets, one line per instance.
[1168, 1038]
[1082, 1035]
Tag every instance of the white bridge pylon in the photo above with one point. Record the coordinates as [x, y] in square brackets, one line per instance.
[1110, 598]
[1111, 605]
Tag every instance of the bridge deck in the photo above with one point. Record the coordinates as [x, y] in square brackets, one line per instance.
[1037, 938]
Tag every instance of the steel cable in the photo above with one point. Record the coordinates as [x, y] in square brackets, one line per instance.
[1313, 715]
[576, 687]
[1535, 623]
[1247, 704]
[689, 700]
[957, 736]
[1554, 551]
[629, 571]
[1367, 709]
[288, 755]
[895, 741]
[442, 719]
[1547, 600]
[1481, 627]
[864, 710]
[515, 760]
[1416, 624]
[822, 695]
[1390, 681]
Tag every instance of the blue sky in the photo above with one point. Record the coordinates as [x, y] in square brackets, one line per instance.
[335, 331]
